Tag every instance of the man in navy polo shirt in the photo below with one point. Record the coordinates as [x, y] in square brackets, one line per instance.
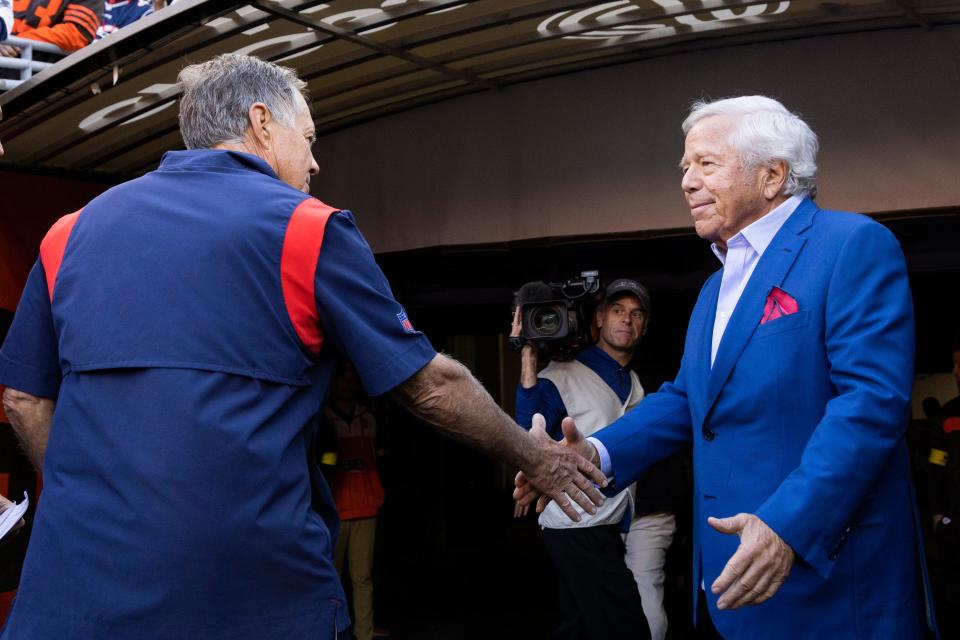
[172, 347]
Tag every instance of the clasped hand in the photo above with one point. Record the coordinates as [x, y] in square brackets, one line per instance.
[583, 487]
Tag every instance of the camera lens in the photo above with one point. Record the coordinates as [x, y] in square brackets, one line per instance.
[546, 321]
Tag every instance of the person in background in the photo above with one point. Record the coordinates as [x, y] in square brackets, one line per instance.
[355, 482]
[6, 20]
[68, 25]
[943, 482]
[121, 13]
[599, 594]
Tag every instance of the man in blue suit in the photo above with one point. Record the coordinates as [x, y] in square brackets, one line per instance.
[793, 390]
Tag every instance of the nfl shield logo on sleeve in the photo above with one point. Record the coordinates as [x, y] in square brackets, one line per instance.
[407, 325]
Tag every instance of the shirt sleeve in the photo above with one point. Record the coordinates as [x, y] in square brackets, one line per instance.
[359, 314]
[29, 360]
[544, 399]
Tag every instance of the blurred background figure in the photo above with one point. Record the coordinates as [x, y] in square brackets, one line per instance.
[6, 19]
[70, 26]
[944, 486]
[121, 13]
[351, 465]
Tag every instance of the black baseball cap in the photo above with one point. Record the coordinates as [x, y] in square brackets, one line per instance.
[626, 285]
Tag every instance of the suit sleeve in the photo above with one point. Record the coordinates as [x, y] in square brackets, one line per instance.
[81, 19]
[657, 428]
[869, 339]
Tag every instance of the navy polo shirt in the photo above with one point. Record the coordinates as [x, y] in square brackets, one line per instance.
[180, 497]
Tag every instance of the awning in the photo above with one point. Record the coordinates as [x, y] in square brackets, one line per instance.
[110, 107]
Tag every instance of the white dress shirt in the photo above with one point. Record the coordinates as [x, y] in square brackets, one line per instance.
[740, 259]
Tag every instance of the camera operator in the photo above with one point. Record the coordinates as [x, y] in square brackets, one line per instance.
[605, 582]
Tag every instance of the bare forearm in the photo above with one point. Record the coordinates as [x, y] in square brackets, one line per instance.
[445, 394]
[528, 366]
[30, 417]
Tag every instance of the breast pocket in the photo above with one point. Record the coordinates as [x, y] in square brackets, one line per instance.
[782, 324]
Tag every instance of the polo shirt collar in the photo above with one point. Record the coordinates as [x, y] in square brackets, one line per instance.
[214, 159]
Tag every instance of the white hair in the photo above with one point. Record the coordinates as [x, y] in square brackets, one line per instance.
[217, 96]
[766, 131]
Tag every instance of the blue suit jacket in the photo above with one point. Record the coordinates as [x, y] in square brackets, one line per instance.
[801, 421]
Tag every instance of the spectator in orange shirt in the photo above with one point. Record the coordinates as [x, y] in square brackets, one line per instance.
[69, 25]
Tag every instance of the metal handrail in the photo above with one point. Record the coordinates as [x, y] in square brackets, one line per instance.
[25, 64]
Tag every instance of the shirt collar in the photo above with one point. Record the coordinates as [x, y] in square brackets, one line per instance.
[595, 357]
[760, 233]
[215, 159]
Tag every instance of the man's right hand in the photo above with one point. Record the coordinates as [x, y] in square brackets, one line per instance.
[9, 51]
[583, 488]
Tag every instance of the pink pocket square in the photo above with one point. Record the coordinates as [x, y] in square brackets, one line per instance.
[779, 303]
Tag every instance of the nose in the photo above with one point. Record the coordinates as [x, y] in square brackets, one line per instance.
[314, 167]
[1, 148]
[690, 181]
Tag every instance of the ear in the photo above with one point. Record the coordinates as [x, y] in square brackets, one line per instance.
[598, 317]
[260, 116]
[772, 179]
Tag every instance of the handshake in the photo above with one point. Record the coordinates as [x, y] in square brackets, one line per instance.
[581, 491]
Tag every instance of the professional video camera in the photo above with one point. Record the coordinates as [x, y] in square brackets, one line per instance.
[556, 316]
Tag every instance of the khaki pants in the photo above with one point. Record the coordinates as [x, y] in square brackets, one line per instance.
[647, 543]
[355, 545]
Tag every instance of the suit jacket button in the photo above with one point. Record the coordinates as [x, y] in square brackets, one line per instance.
[709, 435]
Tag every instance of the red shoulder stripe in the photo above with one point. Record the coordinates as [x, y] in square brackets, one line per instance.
[53, 245]
[298, 267]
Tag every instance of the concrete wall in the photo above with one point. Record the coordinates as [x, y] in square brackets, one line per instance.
[597, 151]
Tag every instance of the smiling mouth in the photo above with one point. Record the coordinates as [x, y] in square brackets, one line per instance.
[698, 208]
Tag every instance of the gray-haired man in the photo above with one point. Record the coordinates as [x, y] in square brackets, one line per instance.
[172, 345]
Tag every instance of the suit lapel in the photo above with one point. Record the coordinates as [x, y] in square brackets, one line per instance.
[705, 314]
[770, 272]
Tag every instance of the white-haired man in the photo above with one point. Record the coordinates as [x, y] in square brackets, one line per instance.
[174, 342]
[793, 390]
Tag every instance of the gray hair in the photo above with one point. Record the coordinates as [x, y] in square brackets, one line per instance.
[767, 131]
[217, 96]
